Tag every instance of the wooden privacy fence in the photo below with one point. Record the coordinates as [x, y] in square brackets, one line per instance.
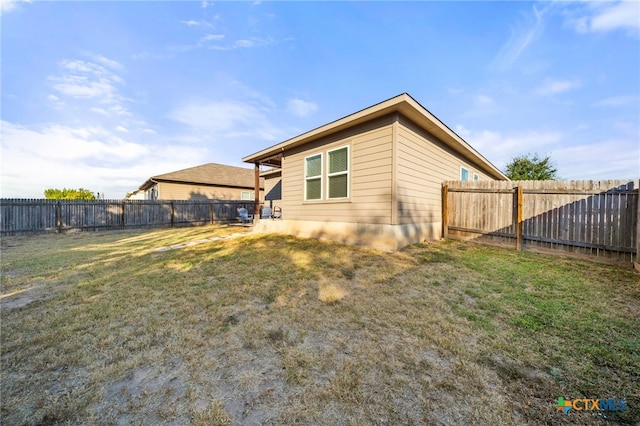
[25, 216]
[595, 218]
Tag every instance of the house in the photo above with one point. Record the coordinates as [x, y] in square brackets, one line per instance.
[372, 178]
[208, 181]
[137, 194]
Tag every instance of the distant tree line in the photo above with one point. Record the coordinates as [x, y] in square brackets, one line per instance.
[69, 194]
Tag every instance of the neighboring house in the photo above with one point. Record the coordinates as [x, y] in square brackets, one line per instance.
[208, 181]
[372, 178]
[138, 194]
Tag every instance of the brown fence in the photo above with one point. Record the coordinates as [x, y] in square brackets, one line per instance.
[26, 216]
[595, 218]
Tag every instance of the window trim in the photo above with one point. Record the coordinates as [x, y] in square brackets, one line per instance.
[320, 176]
[346, 172]
[468, 174]
[251, 197]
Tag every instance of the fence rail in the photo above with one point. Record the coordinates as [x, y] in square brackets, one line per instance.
[37, 215]
[595, 218]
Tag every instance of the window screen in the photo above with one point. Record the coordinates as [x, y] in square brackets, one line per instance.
[313, 177]
[338, 177]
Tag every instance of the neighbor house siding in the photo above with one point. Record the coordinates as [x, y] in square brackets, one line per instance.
[178, 191]
[370, 177]
[423, 162]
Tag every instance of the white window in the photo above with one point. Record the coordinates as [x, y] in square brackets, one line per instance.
[248, 195]
[464, 174]
[313, 177]
[338, 173]
[476, 177]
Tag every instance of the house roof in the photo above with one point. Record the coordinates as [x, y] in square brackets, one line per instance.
[403, 104]
[210, 174]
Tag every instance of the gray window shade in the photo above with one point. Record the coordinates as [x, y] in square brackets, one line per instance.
[338, 160]
[314, 166]
[314, 189]
[338, 186]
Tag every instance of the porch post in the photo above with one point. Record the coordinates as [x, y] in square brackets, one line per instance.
[256, 208]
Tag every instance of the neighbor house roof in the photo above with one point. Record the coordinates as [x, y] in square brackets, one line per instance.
[403, 104]
[209, 174]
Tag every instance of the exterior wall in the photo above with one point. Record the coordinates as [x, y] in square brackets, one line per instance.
[370, 178]
[177, 191]
[380, 236]
[422, 164]
[396, 174]
[273, 187]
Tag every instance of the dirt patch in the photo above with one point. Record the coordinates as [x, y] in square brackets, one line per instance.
[33, 292]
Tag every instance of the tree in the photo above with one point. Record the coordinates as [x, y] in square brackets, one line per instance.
[532, 167]
[69, 194]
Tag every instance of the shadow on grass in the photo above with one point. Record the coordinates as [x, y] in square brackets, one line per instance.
[242, 331]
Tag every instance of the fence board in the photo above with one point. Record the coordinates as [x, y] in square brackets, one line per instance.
[37, 215]
[597, 218]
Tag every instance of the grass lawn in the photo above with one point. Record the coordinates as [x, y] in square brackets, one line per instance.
[103, 328]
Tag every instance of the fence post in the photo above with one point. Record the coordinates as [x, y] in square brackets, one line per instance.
[211, 212]
[445, 211]
[58, 217]
[636, 262]
[122, 216]
[519, 203]
[172, 213]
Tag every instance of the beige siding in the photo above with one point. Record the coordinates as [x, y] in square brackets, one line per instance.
[423, 163]
[370, 150]
[273, 187]
[177, 191]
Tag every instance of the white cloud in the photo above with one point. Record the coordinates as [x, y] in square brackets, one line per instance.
[10, 5]
[122, 129]
[88, 80]
[574, 161]
[210, 37]
[554, 87]
[190, 23]
[227, 119]
[584, 161]
[607, 16]
[617, 101]
[499, 148]
[34, 159]
[203, 42]
[484, 100]
[110, 63]
[244, 43]
[521, 37]
[301, 108]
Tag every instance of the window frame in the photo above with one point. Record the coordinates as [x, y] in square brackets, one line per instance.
[252, 195]
[476, 177]
[462, 168]
[346, 172]
[320, 176]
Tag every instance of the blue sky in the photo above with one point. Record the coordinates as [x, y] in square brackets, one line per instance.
[103, 95]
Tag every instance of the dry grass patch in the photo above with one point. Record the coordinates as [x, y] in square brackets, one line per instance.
[265, 329]
[331, 293]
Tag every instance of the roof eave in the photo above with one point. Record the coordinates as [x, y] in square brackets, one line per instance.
[403, 104]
